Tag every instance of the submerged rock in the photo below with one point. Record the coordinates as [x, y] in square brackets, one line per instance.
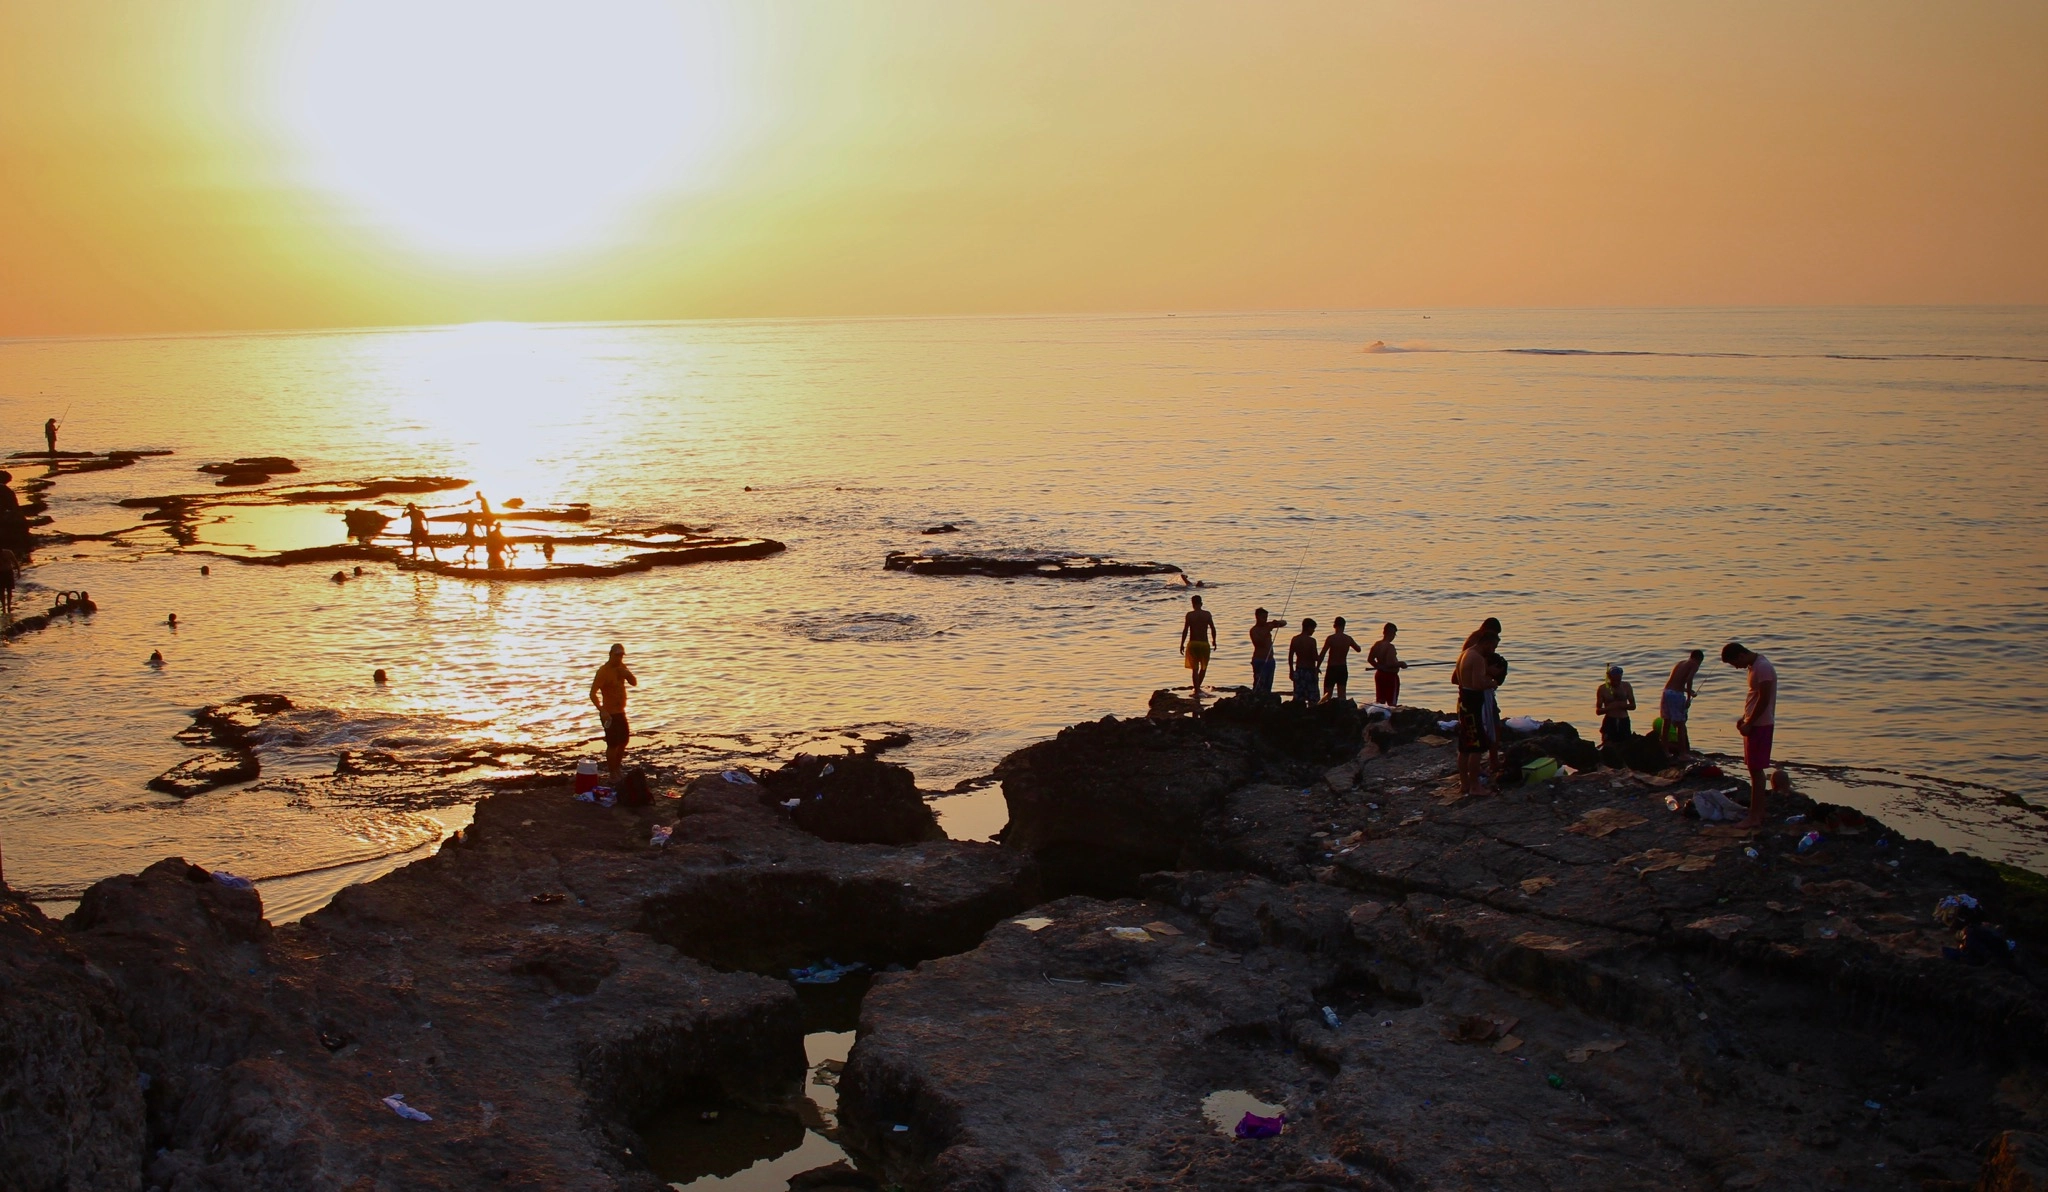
[207, 771]
[1043, 566]
[230, 729]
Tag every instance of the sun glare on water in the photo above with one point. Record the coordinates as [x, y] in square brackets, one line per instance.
[498, 133]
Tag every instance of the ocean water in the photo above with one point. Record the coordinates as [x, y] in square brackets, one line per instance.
[1857, 493]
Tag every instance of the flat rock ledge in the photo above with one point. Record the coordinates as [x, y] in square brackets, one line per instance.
[1562, 985]
[936, 562]
[542, 986]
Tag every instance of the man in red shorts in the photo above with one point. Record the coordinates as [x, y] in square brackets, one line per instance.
[1386, 667]
[1759, 719]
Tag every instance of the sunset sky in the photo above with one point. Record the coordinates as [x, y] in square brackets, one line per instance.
[189, 166]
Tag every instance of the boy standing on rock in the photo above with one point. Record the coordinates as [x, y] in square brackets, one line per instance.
[608, 693]
[1336, 658]
[1197, 639]
[1262, 651]
[1677, 700]
[1386, 666]
[1758, 722]
[1301, 661]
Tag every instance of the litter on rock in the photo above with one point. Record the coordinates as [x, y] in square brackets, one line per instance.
[739, 777]
[396, 1104]
[826, 973]
[661, 835]
[1160, 927]
[1810, 842]
[231, 881]
[1330, 1016]
[1136, 935]
[792, 804]
[1715, 807]
[1251, 1125]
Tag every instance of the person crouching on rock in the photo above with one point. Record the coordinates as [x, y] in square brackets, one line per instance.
[608, 694]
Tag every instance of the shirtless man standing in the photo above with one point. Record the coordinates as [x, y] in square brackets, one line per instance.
[1336, 660]
[1197, 640]
[608, 693]
[416, 532]
[1301, 661]
[1758, 722]
[1262, 651]
[1677, 700]
[1386, 666]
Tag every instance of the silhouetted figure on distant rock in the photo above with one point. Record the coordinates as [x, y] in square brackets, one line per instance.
[50, 434]
[8, 567]
[14, 533]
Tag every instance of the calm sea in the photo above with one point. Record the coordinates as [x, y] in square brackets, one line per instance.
[1857, 493]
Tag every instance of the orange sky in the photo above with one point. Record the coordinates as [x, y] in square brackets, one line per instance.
[951, 157]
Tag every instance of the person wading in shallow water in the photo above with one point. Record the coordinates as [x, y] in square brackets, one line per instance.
[1197, 640]
[1471, 677]
[1758, 722]
[1386, 666]
[1262, 651]
[608, 694]
[416, 532]
[7, 569]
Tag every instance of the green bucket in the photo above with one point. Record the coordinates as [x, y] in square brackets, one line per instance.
[1543, 769]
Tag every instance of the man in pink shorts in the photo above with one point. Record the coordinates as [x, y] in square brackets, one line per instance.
[1759, 719]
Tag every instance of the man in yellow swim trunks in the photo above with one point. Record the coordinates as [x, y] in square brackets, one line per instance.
[1197, 639]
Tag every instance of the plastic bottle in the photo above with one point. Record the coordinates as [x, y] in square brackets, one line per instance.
[1809, 842]
[1330, 1016]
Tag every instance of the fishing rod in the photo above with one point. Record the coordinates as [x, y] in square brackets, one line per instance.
[1290, 583]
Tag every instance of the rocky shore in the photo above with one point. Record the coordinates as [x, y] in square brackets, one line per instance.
[1565, 984]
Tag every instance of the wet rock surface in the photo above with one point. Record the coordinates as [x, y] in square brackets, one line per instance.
[1564, 984]
[853, 799]
[227, 731]
[936, 562]
[70, 1097]
[538, 989]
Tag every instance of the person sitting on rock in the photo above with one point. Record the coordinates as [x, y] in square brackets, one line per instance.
[1301, 662]
[1612, 703]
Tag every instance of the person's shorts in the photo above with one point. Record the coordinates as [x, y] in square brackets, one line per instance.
[1615, 729]
[616, 731]
[1472, 736]
[1305, 684]
[1197, 654]
[1386, 687]
[1674, 705]
[1756, 746]
[1336, 676]
[1262, 673]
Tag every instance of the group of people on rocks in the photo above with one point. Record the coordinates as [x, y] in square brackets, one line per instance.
[493, 535]
[1478, 674]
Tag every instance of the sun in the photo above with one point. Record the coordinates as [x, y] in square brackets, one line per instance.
[503, 132]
